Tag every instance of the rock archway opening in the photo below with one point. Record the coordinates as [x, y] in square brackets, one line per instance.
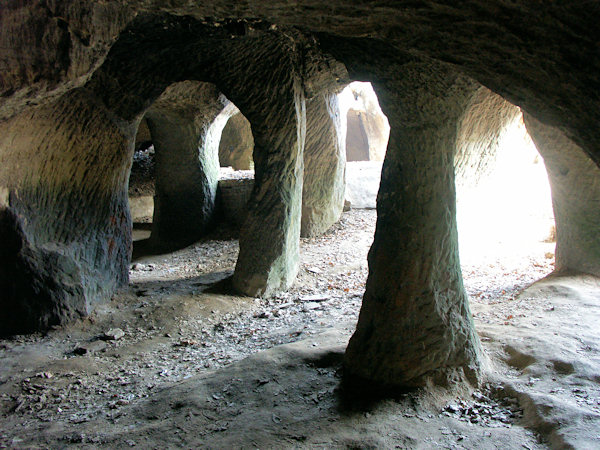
[507, 212]
[193, 153]
[505, 217]
[236, 179]
[367, 135]
[367, 129]
[141, 183]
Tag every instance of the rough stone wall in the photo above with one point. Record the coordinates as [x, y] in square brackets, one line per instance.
[64, 166]
[357, 142]
[324, 165]
[237, 144]
[186, 123]
[481, 130]
[575, 184]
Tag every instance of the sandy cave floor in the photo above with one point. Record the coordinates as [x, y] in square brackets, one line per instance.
[206, 369]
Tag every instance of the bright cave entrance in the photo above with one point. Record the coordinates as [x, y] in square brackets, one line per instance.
[505, 220]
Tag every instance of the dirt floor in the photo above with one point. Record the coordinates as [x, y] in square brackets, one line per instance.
[176, 362]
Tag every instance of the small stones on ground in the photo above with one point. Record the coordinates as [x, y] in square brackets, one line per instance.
[312, 305]
[331, 292]
[143, 267]
[88, 348]
[484, 411]
[44, 375]
[315, 298]
[185, 343]
[114, 334]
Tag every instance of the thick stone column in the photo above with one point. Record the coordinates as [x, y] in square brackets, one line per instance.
[575, 184]
[65, 219]
[271, 95]
[324, 165]
[415, 324]
[186, 124]
[270, 236]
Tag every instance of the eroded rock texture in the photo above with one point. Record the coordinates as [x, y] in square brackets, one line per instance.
[575, 184]
[186, 123]
[237, 144]
[276, 108]
[324, 165]
[415, 323]
[481, 130]
[64, 166]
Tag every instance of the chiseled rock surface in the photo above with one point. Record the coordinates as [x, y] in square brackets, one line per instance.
[65, 165]
[524, 50]
[324, 165]
[78, 76]
[415, 325]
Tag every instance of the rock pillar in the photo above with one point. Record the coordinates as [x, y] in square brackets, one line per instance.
[415, 324]
[270, 236]
[186, 124]
[575, 184]
[324, 165]
[65, 224]
[271, 97]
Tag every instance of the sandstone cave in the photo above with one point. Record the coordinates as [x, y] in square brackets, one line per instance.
[187, 258]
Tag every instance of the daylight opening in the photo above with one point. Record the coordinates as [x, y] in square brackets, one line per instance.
[507, 212]
[505, 218]
[367, 135]
[237, 169]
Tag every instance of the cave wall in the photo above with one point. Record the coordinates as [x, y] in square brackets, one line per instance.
[149, 57]
[64, 167]
[540, 56]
